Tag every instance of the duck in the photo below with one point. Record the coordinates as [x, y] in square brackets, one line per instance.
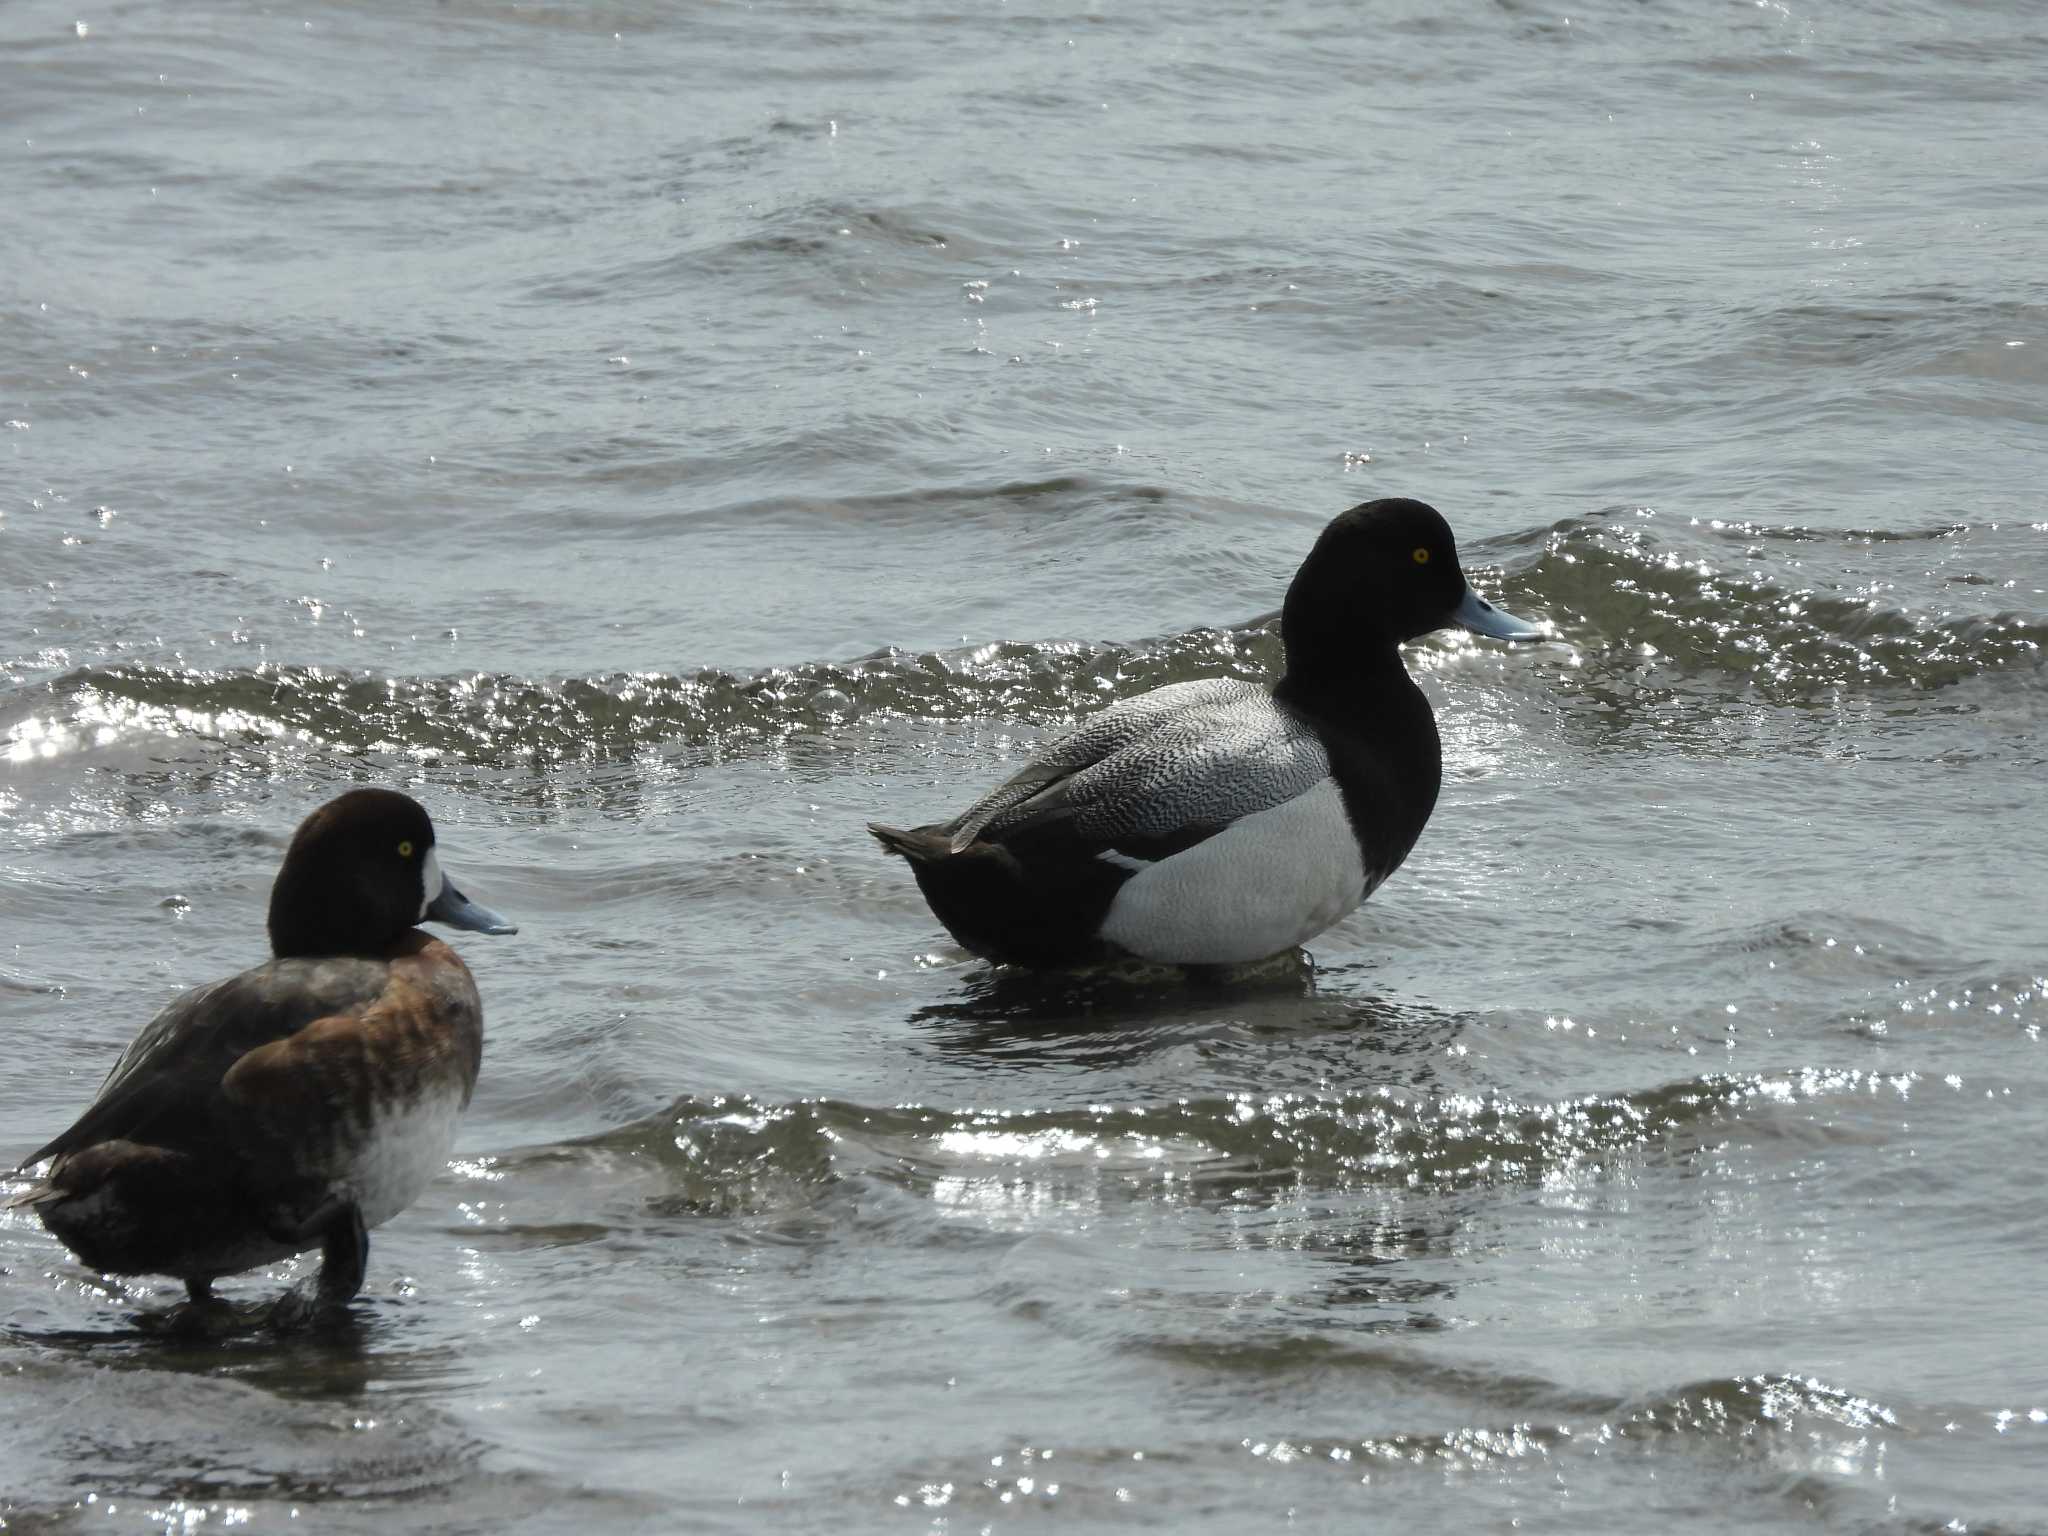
[1223, 822]
[298, 1104]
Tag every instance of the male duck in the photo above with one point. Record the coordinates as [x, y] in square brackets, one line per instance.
[298, 1104]
[1220, 822]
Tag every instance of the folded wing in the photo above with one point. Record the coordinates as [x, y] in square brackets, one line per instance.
[1154, 776]
[166, 1087]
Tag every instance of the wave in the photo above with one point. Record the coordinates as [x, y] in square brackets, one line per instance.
[507, 720]
[730, 1154]
[1743, 603]
[1652, 614]
[1798, 1444]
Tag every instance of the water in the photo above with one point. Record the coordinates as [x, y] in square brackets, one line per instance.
[665, 437]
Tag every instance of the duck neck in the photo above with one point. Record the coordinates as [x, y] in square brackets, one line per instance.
[1382, 739]
[1350, 687]
[309, 919]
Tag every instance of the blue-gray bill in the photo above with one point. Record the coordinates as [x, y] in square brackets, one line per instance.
[458, 911]
[1482, 618]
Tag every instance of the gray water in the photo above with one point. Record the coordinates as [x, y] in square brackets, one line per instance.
[663, 437]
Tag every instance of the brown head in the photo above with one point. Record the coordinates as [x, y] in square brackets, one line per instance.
[361, 871]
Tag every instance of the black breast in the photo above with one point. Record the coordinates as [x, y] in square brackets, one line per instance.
[1386, 756]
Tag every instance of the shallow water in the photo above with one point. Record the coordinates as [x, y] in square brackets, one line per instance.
[665, 437]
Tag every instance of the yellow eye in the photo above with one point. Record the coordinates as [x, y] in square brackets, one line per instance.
[1421, 555]
[405, 849]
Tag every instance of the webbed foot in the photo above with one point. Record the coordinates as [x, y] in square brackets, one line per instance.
[203, 1318]
[300, 1308]
[344, 1256]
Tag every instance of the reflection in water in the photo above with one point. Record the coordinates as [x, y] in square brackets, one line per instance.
[1286, 1013]
[1113, 1015]
[130, 1407]
[349, 1353]
[1376, 1260]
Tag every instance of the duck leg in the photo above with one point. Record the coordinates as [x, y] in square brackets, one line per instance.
[337, 1221]
[344, 1255]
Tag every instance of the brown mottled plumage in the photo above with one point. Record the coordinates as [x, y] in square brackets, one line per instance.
[297, 1104]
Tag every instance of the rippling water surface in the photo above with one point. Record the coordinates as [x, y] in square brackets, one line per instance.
[666, 436]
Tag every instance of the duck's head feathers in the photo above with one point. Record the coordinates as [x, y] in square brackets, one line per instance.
[360, 871]
[1382, 573]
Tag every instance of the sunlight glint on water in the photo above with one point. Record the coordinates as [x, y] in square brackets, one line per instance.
[665, 442]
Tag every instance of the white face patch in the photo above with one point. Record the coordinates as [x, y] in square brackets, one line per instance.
[431, 882]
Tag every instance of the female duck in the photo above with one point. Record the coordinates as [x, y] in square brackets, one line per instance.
[298, 1104]
[1219, 822]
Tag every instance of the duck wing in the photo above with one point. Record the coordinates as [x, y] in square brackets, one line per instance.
[1122, 725]
[166, 1086]
[1164, 776]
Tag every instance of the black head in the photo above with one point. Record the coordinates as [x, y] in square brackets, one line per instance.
[360, 872]
[1381, 574]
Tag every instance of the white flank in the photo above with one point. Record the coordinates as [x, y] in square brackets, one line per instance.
[1264, 884]
[406, 1148]
[1123, 860]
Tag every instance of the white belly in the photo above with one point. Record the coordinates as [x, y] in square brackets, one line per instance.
[1262, 885]
[407, 1146]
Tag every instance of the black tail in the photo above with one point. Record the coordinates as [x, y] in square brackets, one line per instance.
[920, 845]
[1004, 908]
